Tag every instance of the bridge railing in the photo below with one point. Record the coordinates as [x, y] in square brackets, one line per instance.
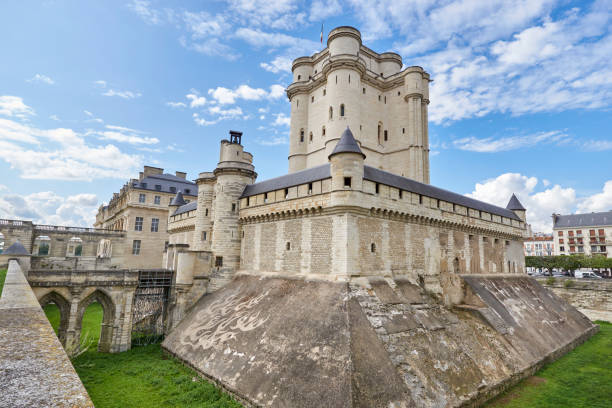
[16, 223]
[70, 229]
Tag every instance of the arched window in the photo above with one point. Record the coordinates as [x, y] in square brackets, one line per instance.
[75, 247]
[331, 112]
[41, 245]
[342, 110]
[1, 243]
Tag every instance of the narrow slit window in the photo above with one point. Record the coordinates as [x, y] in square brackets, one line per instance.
[377, 188]
[286, 193]
[312, 99]
[342, 110]
[372, 247]
[309, 188]
[288, 246]
[386, 136]
[323, 131]
[233, 207]
[347, 182]
[400, 194]
[363, 91]
[301, 135]
[331, 112]
[310, 137]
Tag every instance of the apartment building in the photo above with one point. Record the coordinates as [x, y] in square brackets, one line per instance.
[539, 245]
[587, 234]
[140, 209]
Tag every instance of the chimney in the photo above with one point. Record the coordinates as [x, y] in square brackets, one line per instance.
[181, 174]
[150, 170]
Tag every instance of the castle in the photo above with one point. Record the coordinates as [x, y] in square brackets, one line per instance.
[351, 281]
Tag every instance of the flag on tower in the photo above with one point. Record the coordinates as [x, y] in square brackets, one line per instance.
[321, 33]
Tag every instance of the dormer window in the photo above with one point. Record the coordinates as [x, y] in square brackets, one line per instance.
[158, 187]
[143, 185]
[173, 189]
[187, 191]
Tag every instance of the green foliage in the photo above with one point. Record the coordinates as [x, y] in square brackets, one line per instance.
[568, 283]
[580, 379]
[550, 281]
[144, 377]
[2, 277]
[568, 262]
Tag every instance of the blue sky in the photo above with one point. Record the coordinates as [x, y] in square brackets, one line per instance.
[91, 91]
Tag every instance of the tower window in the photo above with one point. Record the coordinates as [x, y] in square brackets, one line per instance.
[286, 193]
[203, 235]
[233, 207]
[363, 91]
[342, 110]
[265, 197]
[420, 199]
[299, 77]
[400, 194]
[377, 188]
[378, 98]
[403, 130]
[385, 99]
[323, 131]
[297, 103]
[372, 247]
[310, 136]
[301, 135]
[398, 93]
[288, 246]
[309, 188]
[331, 112]
[379, 133]
[248, 201]
[324, 92]
[386, 136]
[336, 78]
[219, 261]
[347, 182]
[312, 99]
[206, 212]
[349, 78]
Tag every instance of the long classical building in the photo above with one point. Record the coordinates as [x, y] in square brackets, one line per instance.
[586, 234]
[140, 209]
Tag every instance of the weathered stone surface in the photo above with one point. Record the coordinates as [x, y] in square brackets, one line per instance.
[593, 298]
[282, 342]
[34, 368]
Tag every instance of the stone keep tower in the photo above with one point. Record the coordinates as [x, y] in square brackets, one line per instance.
[234, 171]
[348, 84]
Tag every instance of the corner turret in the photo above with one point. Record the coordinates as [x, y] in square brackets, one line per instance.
[347, 161]
[515, 206]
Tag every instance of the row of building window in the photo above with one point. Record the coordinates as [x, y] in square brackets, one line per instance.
[142, 198]
[140, 221]
[158, 187]
[600, 232]
[382, 134]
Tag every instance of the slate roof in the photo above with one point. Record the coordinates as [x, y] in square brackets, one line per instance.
[288, 180]
[377, 176]
[595, 219]
[347, 144]
[186, 208]
[515, 204]
[178, 199]
[16, 249]
[165, 181]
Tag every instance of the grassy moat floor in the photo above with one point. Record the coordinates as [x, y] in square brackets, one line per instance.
[144, 377]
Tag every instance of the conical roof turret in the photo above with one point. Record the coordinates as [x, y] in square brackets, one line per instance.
[178, 199]
[515, 204]
[347, 144]
[16, 249]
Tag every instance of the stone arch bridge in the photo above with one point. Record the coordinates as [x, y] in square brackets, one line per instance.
[129, 300]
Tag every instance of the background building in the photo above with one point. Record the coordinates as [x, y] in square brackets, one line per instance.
[588, 234]
[141, 210]
[539, 245]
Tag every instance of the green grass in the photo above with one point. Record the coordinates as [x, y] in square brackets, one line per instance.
[2, 277]
[53, 314]
[579, 379]
[144, 377]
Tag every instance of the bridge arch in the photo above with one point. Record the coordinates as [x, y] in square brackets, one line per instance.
[64, 308]
[108, 318]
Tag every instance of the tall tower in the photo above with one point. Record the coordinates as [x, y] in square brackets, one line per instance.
[348, 84]
[234, 171]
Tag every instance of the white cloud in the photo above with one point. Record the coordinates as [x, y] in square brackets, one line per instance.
[47, 207]
[283, 14]
[540, 205]
[226, 96]
[225, 113]
[14, 106]
[122, 94]
[273, 141]
[201, 121]
[212, 47]
[203, 24]
[599, 201]
[281, 120]
[278, 64]
[597, 145]
[491, 144]
[196, 100]
[144, 10]
[41, 78]
[61, 154]
[54, 117]
[125, 135]
[176, 104]
[100, 83]
[320, 10]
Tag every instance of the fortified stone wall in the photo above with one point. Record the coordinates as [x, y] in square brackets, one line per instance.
[36, 372]
[591, 297]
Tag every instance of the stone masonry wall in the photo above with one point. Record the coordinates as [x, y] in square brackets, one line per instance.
[591, 297]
